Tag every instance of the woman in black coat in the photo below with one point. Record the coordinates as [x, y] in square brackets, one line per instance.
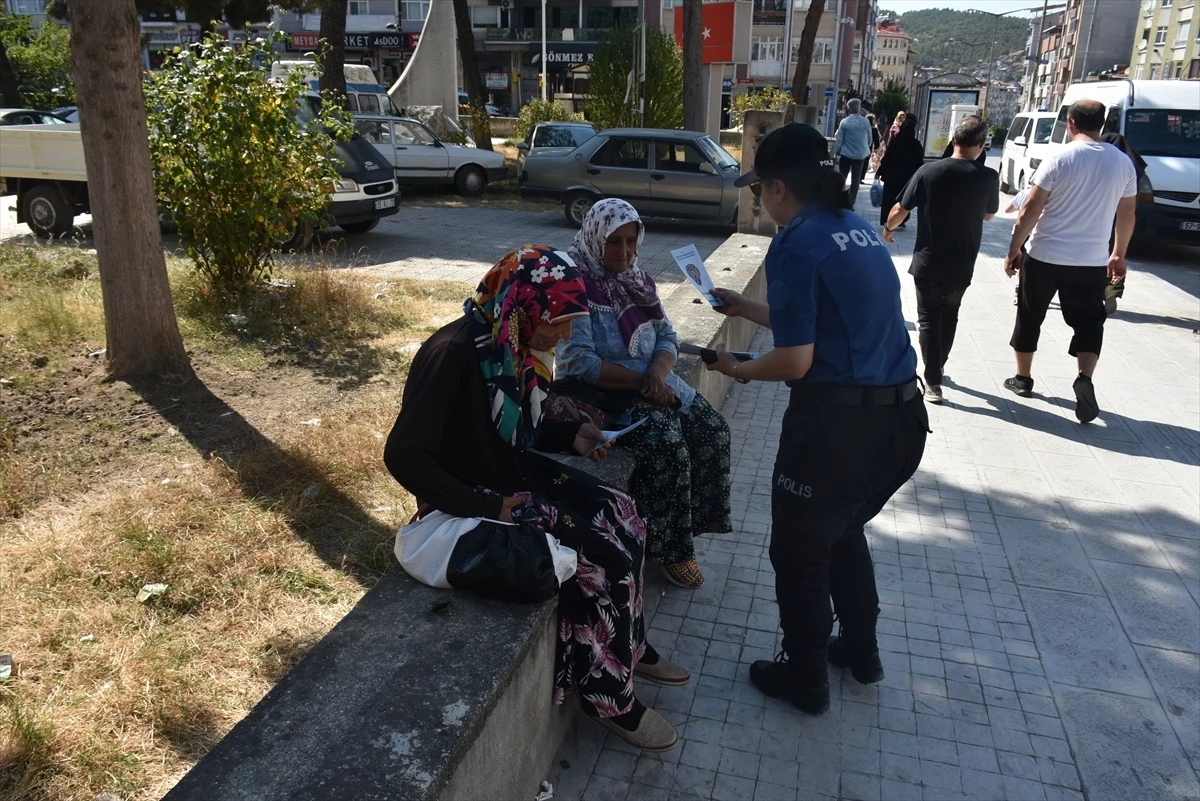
[904, 156]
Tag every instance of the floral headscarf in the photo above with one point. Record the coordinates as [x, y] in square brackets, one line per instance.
[631, 296]
[528, 287]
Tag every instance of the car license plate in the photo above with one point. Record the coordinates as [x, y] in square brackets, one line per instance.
[386, 203]
[1189, 225]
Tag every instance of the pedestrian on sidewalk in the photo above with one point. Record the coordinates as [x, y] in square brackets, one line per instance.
[876, 146]
[895, 129]
[1014, 206]
[852, 147]
[854, 431]
[1077, 192]
[955, 196]
[1117, 290]
[903, 157]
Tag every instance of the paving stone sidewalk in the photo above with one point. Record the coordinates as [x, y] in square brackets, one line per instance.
[1039, 583]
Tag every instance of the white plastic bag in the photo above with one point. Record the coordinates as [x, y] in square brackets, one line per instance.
[423, 548]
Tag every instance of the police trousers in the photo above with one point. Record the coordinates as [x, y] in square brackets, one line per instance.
[838, 464]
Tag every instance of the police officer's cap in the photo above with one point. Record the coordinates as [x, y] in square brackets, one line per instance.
[795, 147]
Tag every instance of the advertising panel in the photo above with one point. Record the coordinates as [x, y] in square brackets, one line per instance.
[938, 123]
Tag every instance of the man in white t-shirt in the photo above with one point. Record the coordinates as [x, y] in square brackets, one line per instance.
[1076, 192]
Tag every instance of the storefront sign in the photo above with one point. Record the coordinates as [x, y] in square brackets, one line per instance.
[376, 40]
[495, 80]
[726, 84]
[563, 54]
[162, 37]
[387, 41]
[569, 58]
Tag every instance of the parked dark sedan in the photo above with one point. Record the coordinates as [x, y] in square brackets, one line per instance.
[28, 116]
[662, 173]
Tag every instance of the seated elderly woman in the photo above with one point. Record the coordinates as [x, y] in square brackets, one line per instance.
[472, 411]
[626, 348]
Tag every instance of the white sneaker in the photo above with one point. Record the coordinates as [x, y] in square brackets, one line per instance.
[933, 394]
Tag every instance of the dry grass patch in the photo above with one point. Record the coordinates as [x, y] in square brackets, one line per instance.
[264, 529]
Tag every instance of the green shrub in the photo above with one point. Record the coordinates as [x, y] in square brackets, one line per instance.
[769, 99]
[999, 135]
[890, 101]
[610, 69]
[41, 60]
[536, 111]
[240, 161]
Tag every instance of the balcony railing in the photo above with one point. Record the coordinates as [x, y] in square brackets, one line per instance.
[552, 34]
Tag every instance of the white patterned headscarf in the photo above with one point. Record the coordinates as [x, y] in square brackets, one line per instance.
[631, 296]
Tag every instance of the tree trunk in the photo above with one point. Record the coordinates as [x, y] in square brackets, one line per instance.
[694, 89]
[333, 33]
[481, 125]
[10, 87]
[808, 38]
[139, 317]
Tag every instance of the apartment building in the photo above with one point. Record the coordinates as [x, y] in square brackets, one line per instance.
[508, 40]
[842, 52]
[35, 9]
[1080, 42]
[894, 59]
[1167, 43]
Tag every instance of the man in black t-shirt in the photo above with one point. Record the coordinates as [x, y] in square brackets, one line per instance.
[955, 196]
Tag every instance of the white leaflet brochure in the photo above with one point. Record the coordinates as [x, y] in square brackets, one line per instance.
[610, 436]
[692, 266]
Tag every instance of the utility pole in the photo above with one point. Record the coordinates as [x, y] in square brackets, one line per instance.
[1037, 57]
[836, 68]
[544, 70]
[642, 63]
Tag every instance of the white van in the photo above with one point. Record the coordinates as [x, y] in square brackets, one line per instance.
[1161, 121]
[1024, 148]
[364, 94]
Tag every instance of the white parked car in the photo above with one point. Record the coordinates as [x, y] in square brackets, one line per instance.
[420, 157]
[1024, 148]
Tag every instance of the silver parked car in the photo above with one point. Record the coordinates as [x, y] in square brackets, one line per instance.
[565, 135]
[662, 173]
[420, 157]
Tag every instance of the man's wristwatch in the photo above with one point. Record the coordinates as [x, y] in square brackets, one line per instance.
[737, 377]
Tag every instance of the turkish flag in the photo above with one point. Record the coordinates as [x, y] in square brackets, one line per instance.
[718, 31]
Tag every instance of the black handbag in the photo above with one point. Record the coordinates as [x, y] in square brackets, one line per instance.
[504, 562]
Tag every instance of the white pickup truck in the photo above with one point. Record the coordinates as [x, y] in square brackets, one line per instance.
[43, 166]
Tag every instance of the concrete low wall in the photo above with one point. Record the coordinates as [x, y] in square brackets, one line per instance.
[737, 264]
[513, 751]
[504, 127]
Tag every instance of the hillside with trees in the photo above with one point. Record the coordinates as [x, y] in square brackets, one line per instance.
[936, 27]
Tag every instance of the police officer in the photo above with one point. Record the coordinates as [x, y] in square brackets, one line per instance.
[854, 431]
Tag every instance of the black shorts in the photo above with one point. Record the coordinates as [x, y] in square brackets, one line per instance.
[1080, 297]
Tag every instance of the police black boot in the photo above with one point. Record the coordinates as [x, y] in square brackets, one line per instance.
[806, 687]
[861, 656]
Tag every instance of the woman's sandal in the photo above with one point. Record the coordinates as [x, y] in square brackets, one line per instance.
[684, 574]
[654, 733]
